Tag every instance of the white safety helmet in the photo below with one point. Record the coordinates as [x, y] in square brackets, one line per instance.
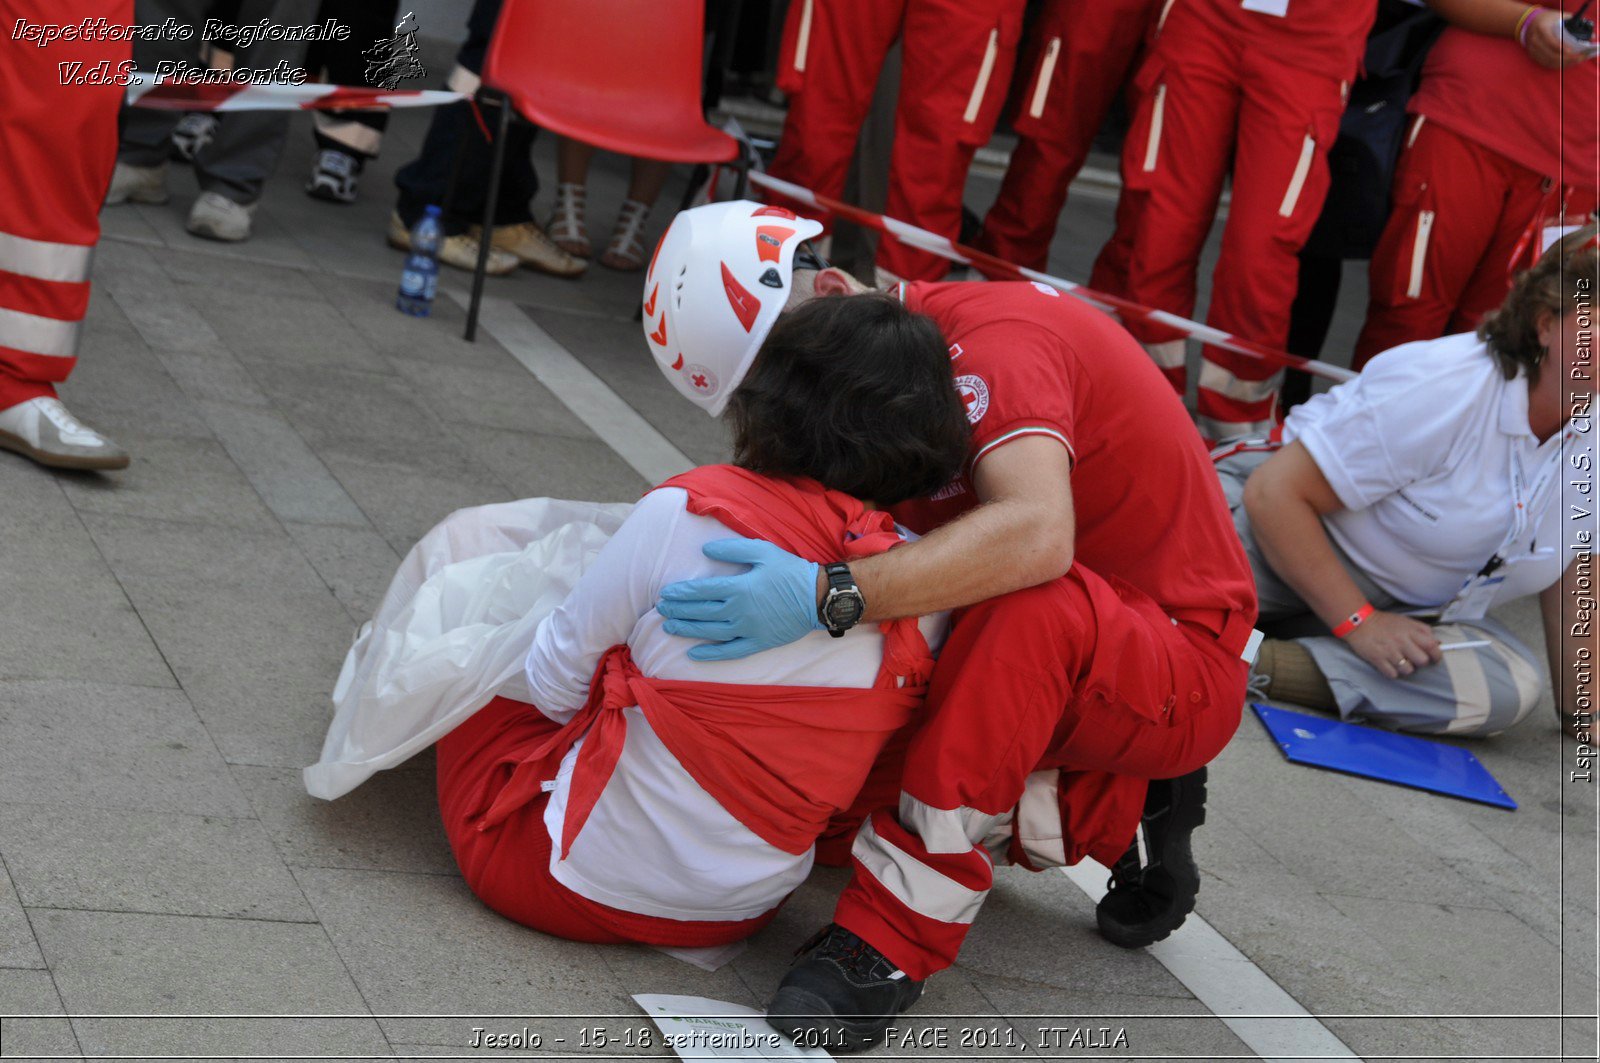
[718, 280]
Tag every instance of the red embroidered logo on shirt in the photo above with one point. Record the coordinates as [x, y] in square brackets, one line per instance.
[974, 395]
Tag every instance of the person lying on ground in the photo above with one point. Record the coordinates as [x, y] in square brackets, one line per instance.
[1396, 510]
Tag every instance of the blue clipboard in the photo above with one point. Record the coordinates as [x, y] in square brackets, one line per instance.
[1374, 753]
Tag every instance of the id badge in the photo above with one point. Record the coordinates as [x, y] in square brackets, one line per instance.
[1280, 8]
[1473, 600]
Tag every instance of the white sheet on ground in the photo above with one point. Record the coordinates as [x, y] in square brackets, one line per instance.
[453, 631]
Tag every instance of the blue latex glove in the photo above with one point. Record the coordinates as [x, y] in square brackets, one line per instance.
[771, 605]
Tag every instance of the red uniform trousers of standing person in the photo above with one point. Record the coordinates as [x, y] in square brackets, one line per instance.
[58, 146]
[1080, 53]
[955, 69]
[1222, 86]
[1499, 147]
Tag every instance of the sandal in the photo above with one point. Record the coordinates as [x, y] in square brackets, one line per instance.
[566, 226]
[626, 250]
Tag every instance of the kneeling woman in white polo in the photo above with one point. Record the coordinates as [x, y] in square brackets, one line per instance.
[1399, 508]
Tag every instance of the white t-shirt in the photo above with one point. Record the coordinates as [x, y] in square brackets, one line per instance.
[1423, 449]
[656, 842]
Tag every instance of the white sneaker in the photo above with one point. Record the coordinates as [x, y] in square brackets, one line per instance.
[138, 184]
[43, 429]
[216, 217]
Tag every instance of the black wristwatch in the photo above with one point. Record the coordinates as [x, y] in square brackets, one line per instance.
[842, 605]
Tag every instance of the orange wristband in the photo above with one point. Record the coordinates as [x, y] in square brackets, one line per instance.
[1353, 621]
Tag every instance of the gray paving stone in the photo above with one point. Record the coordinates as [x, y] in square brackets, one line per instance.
[404, 500]
[165, 862]
[76, 744]
[194, 269]
[1350, 851]
[121, 387]
[1459, 1037]
[262, 327]
[536, 466]
[108, 963]
[17, 947]
[62, 613]
[133, 276]
[161, 561]
[615, 350]
[368, 305]
[258, 667]
[423, 945]
[1321, 957]
[505, 397]
[212, 375]
[356, 564]
[173, 479]
[280, 466]
[388, 823]
[1474, 960]
[33, 994]
[333, 407]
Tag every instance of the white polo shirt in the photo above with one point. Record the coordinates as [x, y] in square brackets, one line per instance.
[1423, 449]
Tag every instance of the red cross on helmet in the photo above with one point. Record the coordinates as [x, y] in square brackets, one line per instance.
[717, 282]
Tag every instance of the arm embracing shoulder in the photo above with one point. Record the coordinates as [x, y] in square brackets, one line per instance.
[1571, 645]
[1021, 535]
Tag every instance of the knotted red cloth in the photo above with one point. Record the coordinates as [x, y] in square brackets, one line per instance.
[781, 759]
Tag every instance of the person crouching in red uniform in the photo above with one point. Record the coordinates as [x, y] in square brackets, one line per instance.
[1094, 668]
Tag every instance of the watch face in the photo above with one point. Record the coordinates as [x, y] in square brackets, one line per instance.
[844, 608]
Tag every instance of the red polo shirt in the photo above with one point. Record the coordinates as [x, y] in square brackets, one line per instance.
[1029, 361]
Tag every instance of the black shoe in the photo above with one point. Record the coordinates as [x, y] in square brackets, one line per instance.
[841, 995]
[334, 175]
[1144, 903]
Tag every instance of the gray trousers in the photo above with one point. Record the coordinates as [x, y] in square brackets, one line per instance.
[247, 145]
[1479, 691]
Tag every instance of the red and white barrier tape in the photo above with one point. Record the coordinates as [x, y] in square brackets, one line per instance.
[147, 91]
[944, 247]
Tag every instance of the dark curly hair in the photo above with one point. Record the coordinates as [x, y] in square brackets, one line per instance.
[1549, 287]
[856, 393]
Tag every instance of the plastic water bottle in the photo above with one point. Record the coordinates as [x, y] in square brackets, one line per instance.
[420, 279]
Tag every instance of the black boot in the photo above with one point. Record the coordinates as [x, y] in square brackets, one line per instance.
[841, 994]
[1146, 903]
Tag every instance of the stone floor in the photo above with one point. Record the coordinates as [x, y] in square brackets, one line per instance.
[169, 635]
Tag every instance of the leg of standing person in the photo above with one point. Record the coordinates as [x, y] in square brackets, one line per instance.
[59, 143]
[1288, 120]
[1075, 677]
[1532, 202]
[347, 140]
[625, 251]
[955, 69]
[1174, 161]
[146, 133]
[1080, 56]
[426, 179]
[234, 166]
[832, 53]
[1448, 198]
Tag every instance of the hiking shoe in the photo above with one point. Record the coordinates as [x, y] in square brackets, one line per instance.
[534, 249]
[333, 176]
[43, 429]
[138, 184]
[193, 132]
[1147, 900]
[460, 251]
[216, 217]
[841, 994]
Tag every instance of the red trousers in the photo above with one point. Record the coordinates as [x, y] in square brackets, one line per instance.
[955, 69]
[58, 145]
[1210, 106]
[1049, 711]
[1445, 258]
[508, 866]
[1080, 53]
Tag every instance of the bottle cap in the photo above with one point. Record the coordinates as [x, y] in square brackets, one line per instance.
[432, 210]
